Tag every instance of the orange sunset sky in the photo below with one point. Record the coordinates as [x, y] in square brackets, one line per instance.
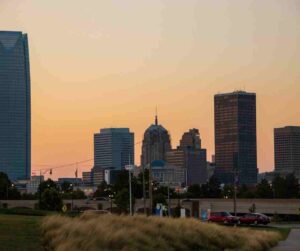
[101, 63]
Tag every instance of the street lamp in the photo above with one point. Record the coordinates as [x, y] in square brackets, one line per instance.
[130, 168]
[71, 185]
[111, 196]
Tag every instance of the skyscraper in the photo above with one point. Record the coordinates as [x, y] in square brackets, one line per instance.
[235, 137]
[156, 143]
[190, 156]
[113, 148]
[15, 113]
[287, 150]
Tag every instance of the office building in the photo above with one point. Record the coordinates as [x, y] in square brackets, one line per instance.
[166, 174]
[15, 125]
[87, 178]
[235, 137]
[156, 143]
[111, 176]
[113, 148]
[191, 157]
[287, 150]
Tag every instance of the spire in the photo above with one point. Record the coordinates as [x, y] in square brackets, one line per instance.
[156, 119]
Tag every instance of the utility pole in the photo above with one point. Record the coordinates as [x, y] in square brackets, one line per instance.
[150, 189]
[235, 180]
[144, 189]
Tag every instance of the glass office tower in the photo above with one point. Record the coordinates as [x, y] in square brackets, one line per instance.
[113, 149]
[15, 125]
[235, 137]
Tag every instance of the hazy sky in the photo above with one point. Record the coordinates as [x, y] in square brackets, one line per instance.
[100, 63]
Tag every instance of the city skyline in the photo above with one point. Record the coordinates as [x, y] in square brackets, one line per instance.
[173, 60]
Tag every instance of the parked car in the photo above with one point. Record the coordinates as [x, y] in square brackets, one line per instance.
[254, 218]
[222, 217]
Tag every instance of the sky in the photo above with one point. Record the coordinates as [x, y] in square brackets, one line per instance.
[100, 63]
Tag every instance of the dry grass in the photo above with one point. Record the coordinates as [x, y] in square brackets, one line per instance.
[111, 232]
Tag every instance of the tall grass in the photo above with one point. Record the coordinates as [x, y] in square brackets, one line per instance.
[138, 233]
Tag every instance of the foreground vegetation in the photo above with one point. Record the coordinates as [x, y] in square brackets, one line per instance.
[111, 232]
[20, 233]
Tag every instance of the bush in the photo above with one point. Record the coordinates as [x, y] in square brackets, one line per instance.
[113, 232]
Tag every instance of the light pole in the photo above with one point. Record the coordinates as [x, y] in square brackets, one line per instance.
[71, 185]
[129, 168]
[111, 196]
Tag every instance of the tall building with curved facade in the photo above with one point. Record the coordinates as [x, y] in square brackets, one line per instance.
[15, 125]
[156, 143]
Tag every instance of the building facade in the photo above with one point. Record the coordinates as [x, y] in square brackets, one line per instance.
[235, 137]
[113, 148]
[156, 143]
[191, 157]
[15, 113]
[287, 150]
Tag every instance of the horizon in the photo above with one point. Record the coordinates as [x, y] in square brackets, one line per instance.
[169, 54]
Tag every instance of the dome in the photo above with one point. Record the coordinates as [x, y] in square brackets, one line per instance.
[155, 128]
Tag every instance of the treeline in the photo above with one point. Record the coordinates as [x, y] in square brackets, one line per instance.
[281, 187]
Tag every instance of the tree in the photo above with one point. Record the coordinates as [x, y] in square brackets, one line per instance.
[7, 190]
[227, 191]
[103, 190]
[194, 191]
[264, 189]
[245, 192]
[213, 189]
[279, 187]
[122, 200]
[46, 185]
[51, 200]
[66, 186]
[292, 186]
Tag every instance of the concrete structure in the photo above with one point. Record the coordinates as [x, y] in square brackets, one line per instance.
[97, 176]
[74, 181]
[113, 148]
[287, 150]
[33, 184]
[156, 143]
[235, 137]
[166, 174]
[191, 157]
[210, 167]
[15, 121]
[265, 206]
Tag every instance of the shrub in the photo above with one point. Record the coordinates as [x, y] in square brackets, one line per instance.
[113, 232]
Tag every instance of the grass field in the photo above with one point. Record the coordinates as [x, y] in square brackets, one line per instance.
[20, 233]
[23, 232]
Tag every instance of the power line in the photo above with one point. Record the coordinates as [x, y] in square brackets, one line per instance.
[61, 166]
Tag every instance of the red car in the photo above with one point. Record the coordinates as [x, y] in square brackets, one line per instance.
[222, 217]
[254, 218]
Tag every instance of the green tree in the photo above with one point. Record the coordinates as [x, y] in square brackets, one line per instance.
[212, 188]
[264, 189]
[279, 187]
[66, 186]
[292, 186]
[47, 184]
[227, 191]
[245, 192]
[103, 190]
[7, 189]
[121, 200]
[194, 191]
[51, 199]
